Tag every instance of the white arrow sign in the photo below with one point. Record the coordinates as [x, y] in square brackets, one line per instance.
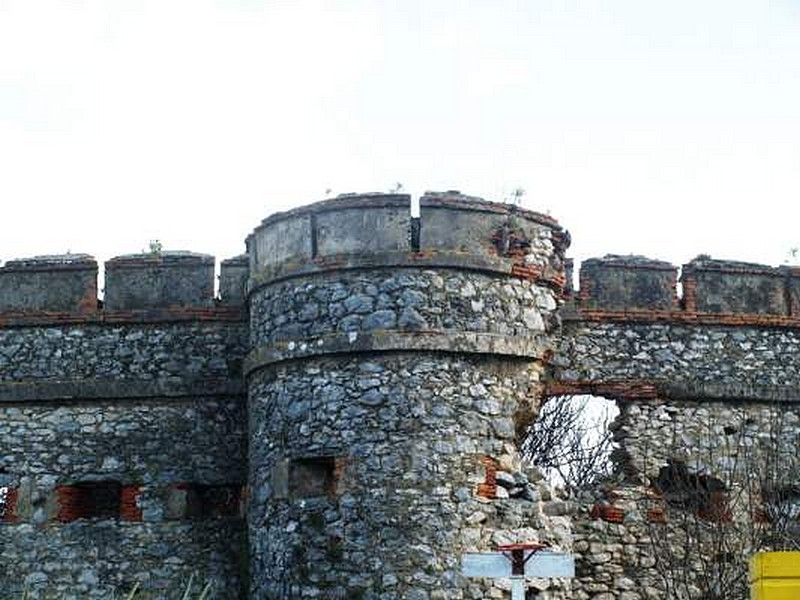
[497, 564]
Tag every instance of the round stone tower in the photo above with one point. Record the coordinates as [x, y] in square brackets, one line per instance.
[395, 363]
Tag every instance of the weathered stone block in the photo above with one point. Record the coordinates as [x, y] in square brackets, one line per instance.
[382, 228]
[351, 224]
[56, 283]
[233, 280]
[453, 222]
[280, 239]
[627, 283]
[792, 278]
[719, 286]
[159, 280]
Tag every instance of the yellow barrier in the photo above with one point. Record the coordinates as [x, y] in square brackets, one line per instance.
[775, 576]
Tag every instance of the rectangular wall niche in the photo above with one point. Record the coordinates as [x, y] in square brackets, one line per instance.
[89, 500]
[313, 477]
[213, 501]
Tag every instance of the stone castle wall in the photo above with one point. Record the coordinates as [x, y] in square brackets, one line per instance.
[708, 435]
[122, 427]
[344, 420]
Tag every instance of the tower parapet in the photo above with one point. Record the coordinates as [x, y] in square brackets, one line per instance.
[349, 226]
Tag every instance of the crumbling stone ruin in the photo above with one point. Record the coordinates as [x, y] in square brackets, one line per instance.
[344, 420]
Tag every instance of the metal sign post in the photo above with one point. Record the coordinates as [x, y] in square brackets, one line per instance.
[518, 561]
[517, 554]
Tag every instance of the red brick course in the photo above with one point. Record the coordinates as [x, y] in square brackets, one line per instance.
[488, 489]
[129, 509]
[12, 496]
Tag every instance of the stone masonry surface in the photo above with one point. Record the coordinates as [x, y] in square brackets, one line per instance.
[411, 431]
[344, 420]
[707, 436]
[120, 352]
[374, 467]
[405, 299]
[716, 357]
[143, 409]
[101, 558]
[623, 528]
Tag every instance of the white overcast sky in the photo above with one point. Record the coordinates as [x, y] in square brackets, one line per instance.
[660, 128]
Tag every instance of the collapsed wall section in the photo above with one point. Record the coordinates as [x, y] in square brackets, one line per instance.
[123, 445]
[704, 485]
[395, 364]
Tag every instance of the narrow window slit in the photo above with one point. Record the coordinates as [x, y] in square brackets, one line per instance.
[314, 477]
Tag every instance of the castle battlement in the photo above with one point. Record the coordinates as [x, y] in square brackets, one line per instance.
[378, 230]
[54, 283]
[61, 285]
[710, 287]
